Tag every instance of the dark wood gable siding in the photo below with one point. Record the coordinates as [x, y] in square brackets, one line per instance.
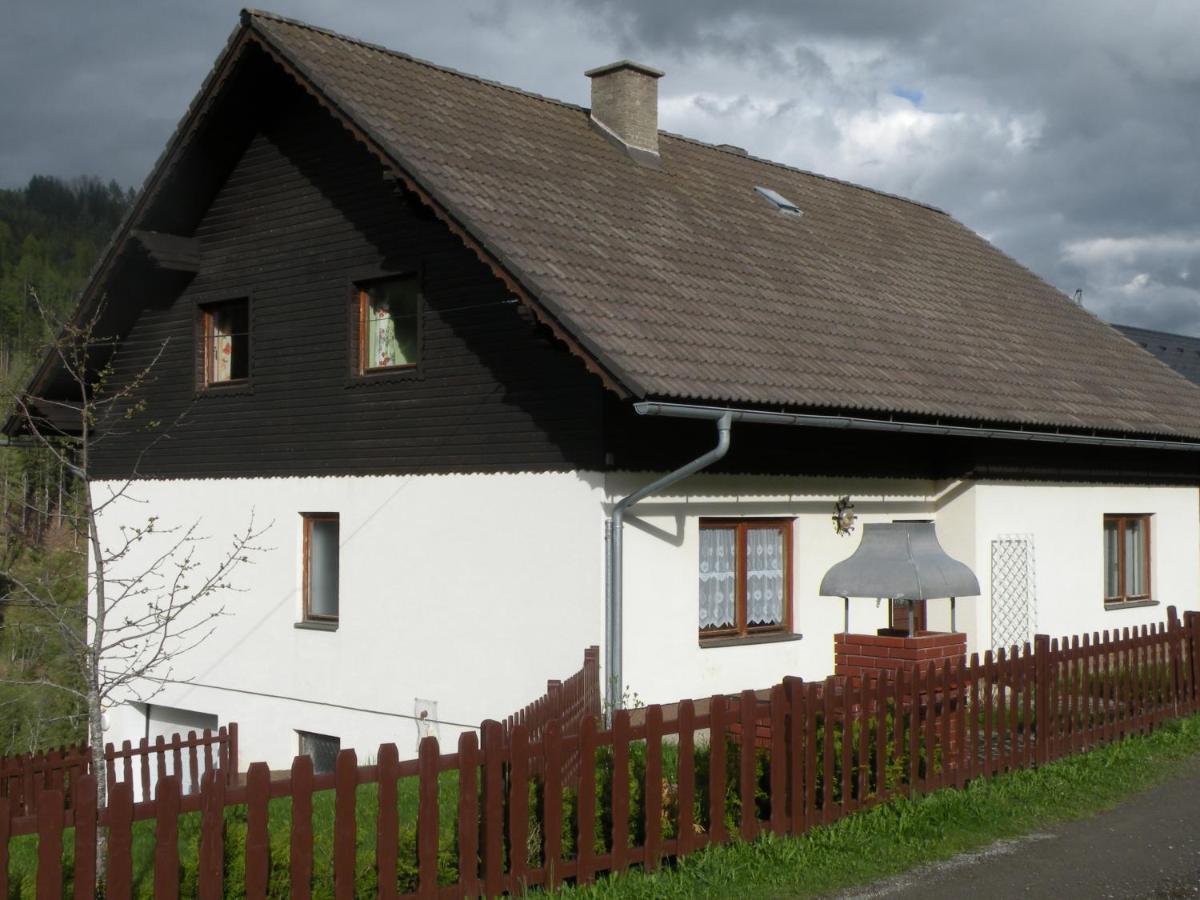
[304, 213]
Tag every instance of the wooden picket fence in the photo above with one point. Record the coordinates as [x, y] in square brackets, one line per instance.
[661, 784]
[24, 777]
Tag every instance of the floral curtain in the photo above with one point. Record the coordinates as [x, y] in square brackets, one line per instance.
[221, 367]
[391, 324]
[718, 577]
[764, 576]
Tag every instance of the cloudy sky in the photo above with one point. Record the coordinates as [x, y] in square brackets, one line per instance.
[1068, 133]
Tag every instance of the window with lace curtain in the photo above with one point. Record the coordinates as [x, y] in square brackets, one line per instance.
[745, 577]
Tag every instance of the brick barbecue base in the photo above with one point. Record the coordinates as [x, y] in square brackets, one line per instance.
[856, 655]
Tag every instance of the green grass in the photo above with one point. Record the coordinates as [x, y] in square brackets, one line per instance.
[901, 834]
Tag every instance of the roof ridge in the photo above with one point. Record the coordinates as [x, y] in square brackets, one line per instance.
[250, 13]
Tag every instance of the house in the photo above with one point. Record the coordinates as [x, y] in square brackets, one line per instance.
[434, 330]
[1180, 352]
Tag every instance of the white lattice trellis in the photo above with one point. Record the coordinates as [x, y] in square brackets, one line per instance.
[1013, 589]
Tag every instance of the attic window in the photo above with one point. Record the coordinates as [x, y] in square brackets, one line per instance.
[780, 201]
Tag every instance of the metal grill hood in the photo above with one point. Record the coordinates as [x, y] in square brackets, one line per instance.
[903, 561]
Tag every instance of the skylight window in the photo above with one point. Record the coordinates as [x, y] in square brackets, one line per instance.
[780, 201]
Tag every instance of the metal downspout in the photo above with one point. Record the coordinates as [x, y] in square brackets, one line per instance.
[613, 626]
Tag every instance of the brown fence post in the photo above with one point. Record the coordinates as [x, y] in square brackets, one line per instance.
[211, 871]
[258, 839]
[119, 880]
[231, 777]
[166, 837]
[1042, 714]
[1191, 623]
[50, 835]
[427, 819]
[301, 838]
[468, 814]
[84, 808]
[387, 826]
[345, 782]
[492, 751]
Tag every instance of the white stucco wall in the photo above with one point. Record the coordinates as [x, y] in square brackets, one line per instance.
[467, 590]
[1066, 522]
[472, 590]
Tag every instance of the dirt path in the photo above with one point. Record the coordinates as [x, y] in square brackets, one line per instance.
[1148, 847]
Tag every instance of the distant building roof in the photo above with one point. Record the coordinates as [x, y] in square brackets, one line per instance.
[1180, 352]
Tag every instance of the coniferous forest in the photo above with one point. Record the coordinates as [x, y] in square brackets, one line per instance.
[51, 232]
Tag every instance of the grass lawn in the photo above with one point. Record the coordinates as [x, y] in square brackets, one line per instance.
[899, 835]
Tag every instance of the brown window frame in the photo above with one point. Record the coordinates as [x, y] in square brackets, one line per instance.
[207, 312]
[1126, 599]
[308, 519]
[362, 306]
[741, 629]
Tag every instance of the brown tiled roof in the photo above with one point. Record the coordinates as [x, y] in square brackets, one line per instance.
[685, 283]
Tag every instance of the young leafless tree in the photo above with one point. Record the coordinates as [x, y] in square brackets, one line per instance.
[149, 597]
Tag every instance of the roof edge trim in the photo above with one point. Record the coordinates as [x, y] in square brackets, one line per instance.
[859, 423]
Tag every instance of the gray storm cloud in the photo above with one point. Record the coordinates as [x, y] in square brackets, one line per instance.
[1067, 133]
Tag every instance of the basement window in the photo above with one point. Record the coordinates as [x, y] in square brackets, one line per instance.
[322, 749]
[781, 202]
[225, 345]
[1126, 559]
[745, 577]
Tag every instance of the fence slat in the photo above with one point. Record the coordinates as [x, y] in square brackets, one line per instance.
[427, 814]
[779, 760]
[83, 805]
[552, 803]
[6, 808]
[387, 829]
[620, 790]
[653, 803]
[493, 807]
[716, 770]
[747, 789]
[862, 731]
[300, 864]
[846, 789]
[989, 679]
[810, 754]
[211, 874]
[686, 778]
[49, 852]
[258, 840]
[586, 805]
[468, 814]
[119, 880]
[828, 718]
[345, 826]
[193, 783]
[914, 730]
[166, 838]
[881, 736]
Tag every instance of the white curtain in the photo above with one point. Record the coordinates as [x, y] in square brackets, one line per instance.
[718, 577]
[222, 347]
[764, 576]
[1135, 558]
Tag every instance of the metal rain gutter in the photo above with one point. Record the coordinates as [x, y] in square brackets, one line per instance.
[613, 537]
[687, 411]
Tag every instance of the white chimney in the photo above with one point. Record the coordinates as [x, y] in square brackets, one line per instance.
[625, 103]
